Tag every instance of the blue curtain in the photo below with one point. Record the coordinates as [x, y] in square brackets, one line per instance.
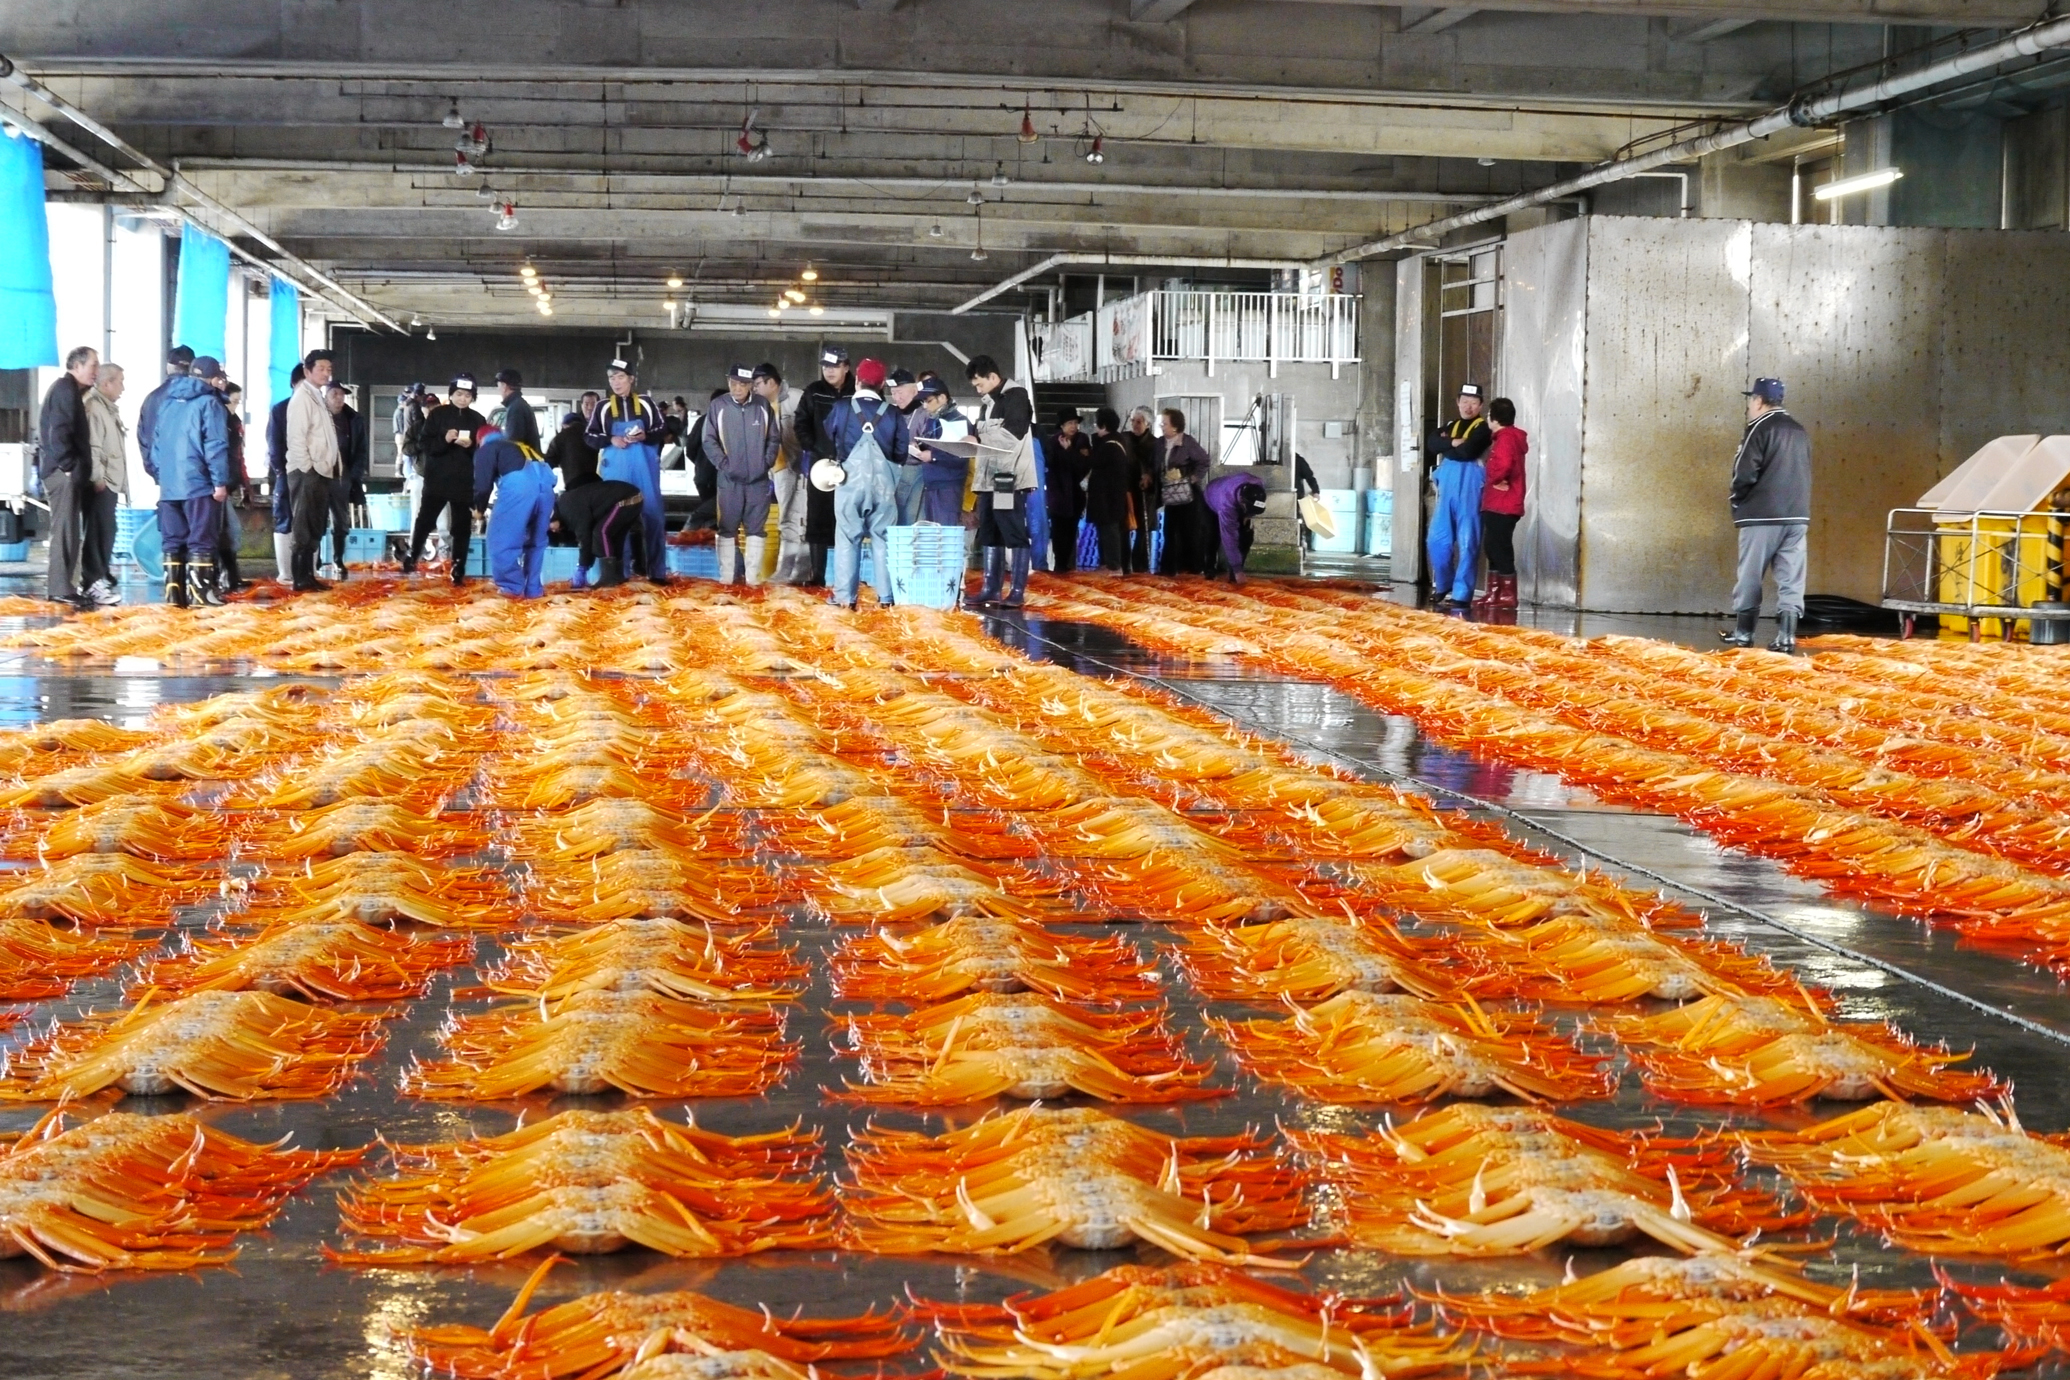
[28, 309]
[284, 337]
[203, 304]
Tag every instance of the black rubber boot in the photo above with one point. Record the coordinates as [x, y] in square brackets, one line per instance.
[1021, 559]
[610, 573]
[201, 583]
[995, 575]
[1785, 632]
[176, 582]
[1742, 634]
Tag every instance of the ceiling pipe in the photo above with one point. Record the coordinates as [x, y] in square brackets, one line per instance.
[1115, 261]
[777, 185]
[1802, 112]
[360, 309]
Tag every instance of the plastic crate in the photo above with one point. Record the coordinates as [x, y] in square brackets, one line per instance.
[926, 565]
[561, 564]
[363, 546]
[1378, 538]
[701, 561]
[388, 512]
[128, 521]
[14, 551]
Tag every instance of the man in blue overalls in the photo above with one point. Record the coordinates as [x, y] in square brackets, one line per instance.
[869, 435]
[1454, 539]
[522, 485]
[626, 432]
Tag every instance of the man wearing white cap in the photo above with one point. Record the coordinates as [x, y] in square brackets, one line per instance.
[450, 434]
[740, 440]
[1454, 540]
[815, 406]
[626, 430]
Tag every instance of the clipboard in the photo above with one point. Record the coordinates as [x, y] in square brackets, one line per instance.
[966, 449]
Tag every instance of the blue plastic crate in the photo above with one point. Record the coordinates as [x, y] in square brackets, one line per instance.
[128, 521]
[14, 551]
[700, 561]
[926, 565]
[560, 564]
[389, 512]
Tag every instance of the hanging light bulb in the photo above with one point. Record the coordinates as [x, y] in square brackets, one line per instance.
[774, 312]
[810, 275]
[453, 120]
[1097, 153]
[506, 218]
[999, 175]
[668, 304]
[431, 332]
[463, 166]
[794, 294]
[817, 309]
[484, 192]
[978, 255]
[535, 290]
[528, 273]
[675, 280]
[415, 321]
[934, 231]
[1028, 134]
[976, 197]
[545, 299]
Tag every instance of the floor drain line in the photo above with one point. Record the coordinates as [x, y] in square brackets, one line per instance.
[1589, 850]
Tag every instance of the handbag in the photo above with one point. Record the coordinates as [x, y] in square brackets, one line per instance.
[1177, 492]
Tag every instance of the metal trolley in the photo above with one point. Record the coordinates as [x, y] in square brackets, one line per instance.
[1981, 572]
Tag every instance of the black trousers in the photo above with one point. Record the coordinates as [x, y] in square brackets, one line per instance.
[341, 518]
[1499, 541]
[438, 497]
[309, 508]
[1113, 546]
[1186, 550]
[229, 536]
[604, 517]
[1146, 518]
[97, 553]
[1063, 542]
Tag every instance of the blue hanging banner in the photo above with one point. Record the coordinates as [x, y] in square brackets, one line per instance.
[28, 308]
[283, 336]
[203, 305]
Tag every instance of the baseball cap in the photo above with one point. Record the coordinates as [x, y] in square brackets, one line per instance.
[618, 366]
[207, 367]
[464, 381]
[933, 387]
[180, 355]
[832, 355]
[511, 377]
[766, 370]
[1469, 390]
[869, 373]
[1767, 390]
[740, 372]
[900, 377]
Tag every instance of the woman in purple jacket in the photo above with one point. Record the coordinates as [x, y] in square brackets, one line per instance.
[1182, 470]
[1234, 499]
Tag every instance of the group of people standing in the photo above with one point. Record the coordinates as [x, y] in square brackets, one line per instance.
[190, 435]
[1480, 500]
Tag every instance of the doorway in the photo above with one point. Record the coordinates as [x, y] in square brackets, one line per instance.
[1462, 341]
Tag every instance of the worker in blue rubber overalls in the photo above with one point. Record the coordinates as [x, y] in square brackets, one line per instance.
[868, 434]
[626, 432]
[522, 485]
[1454, 539]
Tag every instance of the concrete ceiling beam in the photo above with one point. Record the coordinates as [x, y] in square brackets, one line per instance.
[1417, 19]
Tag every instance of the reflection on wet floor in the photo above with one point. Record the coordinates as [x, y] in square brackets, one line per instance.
[284, 1312]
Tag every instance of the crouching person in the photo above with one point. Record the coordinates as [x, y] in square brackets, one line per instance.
[602, 517]
[522, 487]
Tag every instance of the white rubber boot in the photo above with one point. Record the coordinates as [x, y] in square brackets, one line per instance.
[729, 573]
[283, 557]
[757, 552]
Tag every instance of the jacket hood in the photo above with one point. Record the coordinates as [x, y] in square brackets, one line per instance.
[187, 386]
[1522, 434]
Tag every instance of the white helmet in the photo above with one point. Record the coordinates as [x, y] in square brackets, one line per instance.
[827, 476]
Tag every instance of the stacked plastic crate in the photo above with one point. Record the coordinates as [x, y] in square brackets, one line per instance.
[926, 565]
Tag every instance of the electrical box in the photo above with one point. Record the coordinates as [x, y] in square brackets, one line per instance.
[1333, 431]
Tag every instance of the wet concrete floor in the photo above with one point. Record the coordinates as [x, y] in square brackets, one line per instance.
[284, 1312]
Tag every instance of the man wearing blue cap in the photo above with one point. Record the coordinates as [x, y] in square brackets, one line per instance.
[190, 460]
[1771, 508]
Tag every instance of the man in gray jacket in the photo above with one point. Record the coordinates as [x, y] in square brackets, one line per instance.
[1771, 507]
[740, 440]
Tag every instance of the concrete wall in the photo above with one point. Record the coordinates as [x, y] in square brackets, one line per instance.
[1897, 345]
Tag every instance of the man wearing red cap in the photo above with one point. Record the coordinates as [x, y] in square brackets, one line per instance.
[868, 435]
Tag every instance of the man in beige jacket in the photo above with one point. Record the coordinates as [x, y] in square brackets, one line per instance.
[109, 440]
[312, 465]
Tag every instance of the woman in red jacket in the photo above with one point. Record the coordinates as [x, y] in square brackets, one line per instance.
[1502, 501]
